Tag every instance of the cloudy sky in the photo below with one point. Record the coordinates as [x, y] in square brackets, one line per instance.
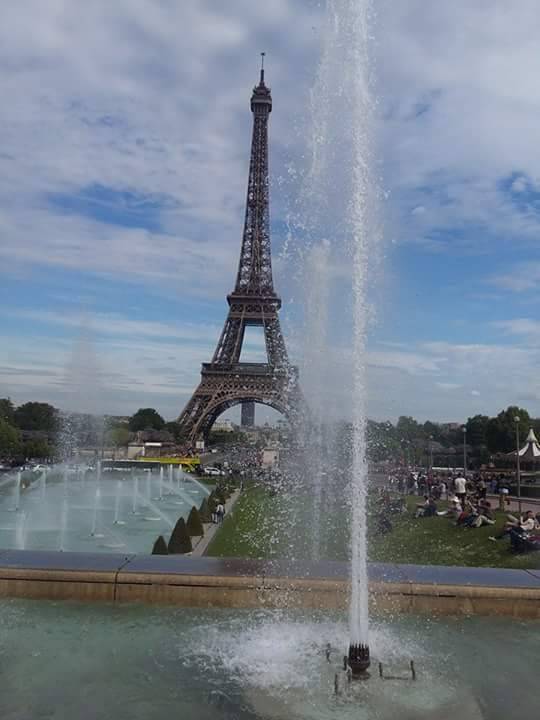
[125, 143]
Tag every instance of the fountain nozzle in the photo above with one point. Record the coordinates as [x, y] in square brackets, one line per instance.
[359, 660]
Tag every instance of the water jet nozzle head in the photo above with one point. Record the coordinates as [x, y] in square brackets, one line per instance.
[359, 660]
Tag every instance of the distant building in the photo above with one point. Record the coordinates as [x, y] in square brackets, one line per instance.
[450, 425]
[223, 426]
[149, 449]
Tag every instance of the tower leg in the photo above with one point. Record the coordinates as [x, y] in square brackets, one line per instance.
[247, 417]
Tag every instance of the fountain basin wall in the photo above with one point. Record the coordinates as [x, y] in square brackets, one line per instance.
[213, 582]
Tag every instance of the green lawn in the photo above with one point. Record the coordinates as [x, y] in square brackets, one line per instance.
[254, 529]
[251, 529]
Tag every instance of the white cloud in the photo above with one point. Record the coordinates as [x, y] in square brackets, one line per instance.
[448, 385]
[525, 327]
[140, 97]
[458, 89]
[521, 277]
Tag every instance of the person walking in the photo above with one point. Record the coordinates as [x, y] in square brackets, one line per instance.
[220, 512]
[460, 487]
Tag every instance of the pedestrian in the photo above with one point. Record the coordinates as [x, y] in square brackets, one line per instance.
[220, 511]
[482, 489]
[460, 486]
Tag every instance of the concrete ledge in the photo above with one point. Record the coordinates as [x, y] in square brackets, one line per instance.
[238, 583]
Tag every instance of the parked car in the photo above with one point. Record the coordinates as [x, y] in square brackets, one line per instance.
[213, 471]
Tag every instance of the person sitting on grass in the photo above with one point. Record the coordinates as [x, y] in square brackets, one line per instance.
[525, 524]
[485, 508]
[454, 509]
[480, 515]
[427, 509]
[466, 516]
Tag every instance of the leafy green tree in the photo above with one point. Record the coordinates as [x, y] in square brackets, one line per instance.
[145, 419]
[433, 430]
[180, 541]
[160, 547]
[10, 440]
[194, 524]
[36, 416]
[501, 430]
[477, 430]
[119, 436]
[408, 429]
[37, 449]
[382, 442]
[174, 429]
[7, 411]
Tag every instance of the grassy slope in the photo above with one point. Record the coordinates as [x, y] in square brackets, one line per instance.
[253, 531]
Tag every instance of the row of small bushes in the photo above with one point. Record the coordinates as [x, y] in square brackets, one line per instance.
[180, 540]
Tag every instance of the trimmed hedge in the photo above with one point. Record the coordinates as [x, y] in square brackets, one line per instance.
[194, 524]
[180, 541]
[160, 547]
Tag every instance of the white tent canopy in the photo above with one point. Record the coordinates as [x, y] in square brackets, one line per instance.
[531, 450]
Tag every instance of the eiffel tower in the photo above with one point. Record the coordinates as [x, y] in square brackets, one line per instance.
[226, 381]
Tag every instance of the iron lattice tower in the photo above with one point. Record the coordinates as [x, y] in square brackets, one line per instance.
[225, 381]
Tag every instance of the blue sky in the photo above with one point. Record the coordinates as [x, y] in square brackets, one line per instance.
[125, 131]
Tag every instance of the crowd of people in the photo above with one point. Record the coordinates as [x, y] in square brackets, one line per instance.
[467, 505]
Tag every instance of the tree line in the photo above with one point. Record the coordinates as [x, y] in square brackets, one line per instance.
[482, 435]
[36, 430]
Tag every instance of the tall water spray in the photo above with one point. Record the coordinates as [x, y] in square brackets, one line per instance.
[315, 370]
[20, 531]
[63, 524]
[135, 495]
[97, 498]
[117, 502]
[18, 483]
[343, 193]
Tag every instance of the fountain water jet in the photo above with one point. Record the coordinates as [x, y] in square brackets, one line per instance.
[148, 488]
[18, 483]
[135, 495]
[43, 484]
[117, 503]
[161, 482]
[20, 531]
[96, 510]
[343, 190]
[63, 525]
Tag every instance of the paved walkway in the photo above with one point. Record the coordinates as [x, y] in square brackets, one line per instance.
[526, 503]
[210, 529]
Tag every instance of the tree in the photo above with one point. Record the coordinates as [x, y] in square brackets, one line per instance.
[175, 429]
[9, 439]
[36, 449]
[119, 436]
[408, 429]
[501, 430]
[476, 430]
[160, 547]
[145, 419]
[7, 411]
[36, 416]
[180, 541]
[194, 524]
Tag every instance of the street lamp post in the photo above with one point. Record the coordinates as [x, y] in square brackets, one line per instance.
[518, 469]
[431, 453]
[464, 449]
